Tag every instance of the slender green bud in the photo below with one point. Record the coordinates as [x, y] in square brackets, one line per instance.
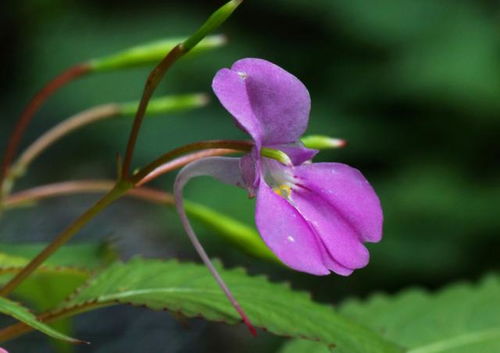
[214, 21]
[149, 53]
[321, 142]
[278, 155]
[167, 104]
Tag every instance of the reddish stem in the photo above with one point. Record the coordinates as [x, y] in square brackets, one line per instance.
[32, 107]
[182, 161]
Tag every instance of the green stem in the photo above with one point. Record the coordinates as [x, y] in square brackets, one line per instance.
[152, 82]
[120, 189]
[15, 330]
[154, 78]
[124, 184]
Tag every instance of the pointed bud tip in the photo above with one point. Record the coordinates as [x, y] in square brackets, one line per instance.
[338, 143]
[203, 99]
[323, 142]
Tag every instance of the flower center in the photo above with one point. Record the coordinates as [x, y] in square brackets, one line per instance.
[279, 177]
[284, 190]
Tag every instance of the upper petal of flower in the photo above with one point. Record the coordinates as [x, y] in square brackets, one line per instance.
[286, 232]
[348, 192]
[268, 102]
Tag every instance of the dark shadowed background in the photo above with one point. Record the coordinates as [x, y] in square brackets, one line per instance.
[414, 86]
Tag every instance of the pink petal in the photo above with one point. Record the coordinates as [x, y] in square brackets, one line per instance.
[348, 193]
[268, 102]
[286, 233]
[337, 235]
[333, 265]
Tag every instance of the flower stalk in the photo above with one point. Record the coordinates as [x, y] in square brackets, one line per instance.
[51, 136]
[119, 189]
[159, 105]
[154, 78]
[30, 110]
[125, 182]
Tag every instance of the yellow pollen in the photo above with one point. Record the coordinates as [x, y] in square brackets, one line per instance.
[283, 190]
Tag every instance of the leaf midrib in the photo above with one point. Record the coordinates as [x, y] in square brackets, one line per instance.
[125, 294]
[458, 341]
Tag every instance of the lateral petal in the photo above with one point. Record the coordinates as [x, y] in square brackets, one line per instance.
[286, 233]
[349, 194]
[337, 235]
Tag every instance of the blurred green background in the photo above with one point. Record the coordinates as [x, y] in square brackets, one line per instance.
[414, 86]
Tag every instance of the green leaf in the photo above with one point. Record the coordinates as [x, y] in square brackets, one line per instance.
[190, 290]
[462, 318]
[58, 276]
[86, 256]
[149, 53]
[47, 288]
[302, 346]
[9, 261]
[55, 280]
[22, 314]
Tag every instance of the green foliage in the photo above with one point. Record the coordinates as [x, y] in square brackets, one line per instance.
[48, 286]
[84, 256]
[68, 269]
[22, 314]
[190, 290]
[462, 318]
[45, 289]
[303, 346]
[412, 85]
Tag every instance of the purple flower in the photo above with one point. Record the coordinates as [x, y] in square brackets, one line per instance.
[314, 216]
